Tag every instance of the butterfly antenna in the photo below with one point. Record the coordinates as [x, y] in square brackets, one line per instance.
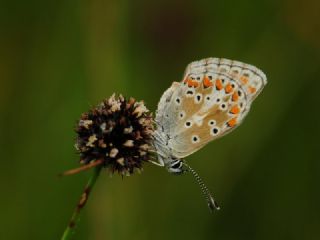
[212, 204]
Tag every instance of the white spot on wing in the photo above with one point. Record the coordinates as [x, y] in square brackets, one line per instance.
[197, 119]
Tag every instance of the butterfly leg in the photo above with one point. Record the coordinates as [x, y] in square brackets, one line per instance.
[156, 163]
[160, 162]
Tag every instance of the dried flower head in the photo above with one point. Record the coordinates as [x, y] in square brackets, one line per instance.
[118, 133]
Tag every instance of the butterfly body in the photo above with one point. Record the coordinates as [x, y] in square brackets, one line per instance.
[212, 99]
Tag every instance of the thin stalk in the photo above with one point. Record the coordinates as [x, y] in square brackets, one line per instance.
[69, 231]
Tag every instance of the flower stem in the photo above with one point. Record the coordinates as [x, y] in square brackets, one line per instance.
[69, 231]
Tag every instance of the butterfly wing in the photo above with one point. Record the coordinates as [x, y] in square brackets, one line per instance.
[163, 105]
[213, 99]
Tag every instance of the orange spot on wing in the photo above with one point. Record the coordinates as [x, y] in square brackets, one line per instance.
[235, 109]
[206, 82]
[219, 85]
[252, 89]
[192, 83]
[244, 80]
[235, 96]
[228, 88]
[186, 80]
[232, 122]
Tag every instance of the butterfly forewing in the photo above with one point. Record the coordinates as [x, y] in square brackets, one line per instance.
[213, 98]
[164, 106]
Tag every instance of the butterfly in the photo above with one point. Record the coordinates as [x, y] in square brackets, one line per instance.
[213, 98]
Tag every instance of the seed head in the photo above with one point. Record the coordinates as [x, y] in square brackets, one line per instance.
[118, 132]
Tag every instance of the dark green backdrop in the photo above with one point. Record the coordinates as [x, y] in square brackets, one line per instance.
[58, 58]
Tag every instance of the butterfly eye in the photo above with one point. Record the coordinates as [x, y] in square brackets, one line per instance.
[214, 131]
[212, 122]
[178, 100]
[188, 124]
[195, 139]
[198, 98]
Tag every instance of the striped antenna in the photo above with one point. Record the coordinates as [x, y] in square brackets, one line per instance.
[212, 204]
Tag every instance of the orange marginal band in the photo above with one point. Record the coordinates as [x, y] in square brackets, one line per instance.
[192, 83]
[235, 96]
[232, 122]
[206, 82]
[228, 88]
[244, 80]
[235, 109]
[252, 89]
[219, 84]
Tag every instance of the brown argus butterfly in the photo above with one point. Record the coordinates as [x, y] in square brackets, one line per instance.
[213, 98]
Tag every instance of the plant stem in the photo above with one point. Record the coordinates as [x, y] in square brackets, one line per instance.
[69, 231]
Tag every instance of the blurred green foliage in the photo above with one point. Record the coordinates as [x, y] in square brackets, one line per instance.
[58, 58]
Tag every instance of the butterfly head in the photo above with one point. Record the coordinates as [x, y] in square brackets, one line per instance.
[175, 166]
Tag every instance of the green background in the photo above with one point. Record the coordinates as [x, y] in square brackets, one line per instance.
[59, 58]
